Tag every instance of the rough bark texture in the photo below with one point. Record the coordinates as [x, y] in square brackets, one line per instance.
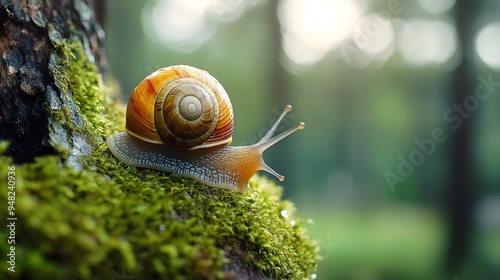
[28, 30]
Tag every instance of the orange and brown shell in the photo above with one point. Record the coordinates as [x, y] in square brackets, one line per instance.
[183, 106]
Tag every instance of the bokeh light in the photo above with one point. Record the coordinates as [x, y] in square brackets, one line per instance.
[427, 42]
[487, 44]
[184, 25]
[436, 6]
[180, 25]
[374, 35]
[313, 28]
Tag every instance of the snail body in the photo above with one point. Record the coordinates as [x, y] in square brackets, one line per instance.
[180, 120]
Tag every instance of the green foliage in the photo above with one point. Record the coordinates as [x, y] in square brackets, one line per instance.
[110, 220]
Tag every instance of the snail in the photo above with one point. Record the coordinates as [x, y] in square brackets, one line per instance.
[179, 119]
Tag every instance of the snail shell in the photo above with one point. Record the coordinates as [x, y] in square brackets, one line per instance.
[180, 120]
[183, 106]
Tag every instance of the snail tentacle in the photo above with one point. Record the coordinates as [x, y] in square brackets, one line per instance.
[268, 140]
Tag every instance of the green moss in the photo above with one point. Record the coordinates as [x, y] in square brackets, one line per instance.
[113, 221]
[78, 77]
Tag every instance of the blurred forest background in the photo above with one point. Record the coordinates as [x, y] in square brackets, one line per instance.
[399, 163]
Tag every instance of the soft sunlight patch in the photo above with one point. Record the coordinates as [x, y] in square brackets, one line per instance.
[436, 6]
[180, 25]
[487, 43]
[184, 25]
[374, 35]
[439, 37]
[311, 28]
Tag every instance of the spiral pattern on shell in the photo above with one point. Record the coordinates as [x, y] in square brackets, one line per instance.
[183, 106]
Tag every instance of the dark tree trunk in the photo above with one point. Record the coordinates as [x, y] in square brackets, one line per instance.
[28, 30]
[461, 193]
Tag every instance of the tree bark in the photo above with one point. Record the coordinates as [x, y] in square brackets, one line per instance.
[28, 33]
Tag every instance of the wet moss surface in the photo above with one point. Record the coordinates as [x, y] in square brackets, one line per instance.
[107, 220]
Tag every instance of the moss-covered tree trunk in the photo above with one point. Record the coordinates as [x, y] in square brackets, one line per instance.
[30, 38]
[79, 212]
